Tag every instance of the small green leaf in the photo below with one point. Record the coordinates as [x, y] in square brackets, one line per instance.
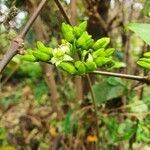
[142, 29]
[108, 90]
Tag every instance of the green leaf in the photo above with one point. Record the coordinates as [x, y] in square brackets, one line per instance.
[114, 81]
[70, 123]
[143, 132]
[108, 89]
[142, 29]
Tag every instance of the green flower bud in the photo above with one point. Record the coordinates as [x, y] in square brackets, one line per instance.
[78, 30]
[84, 54]
[90, 66]
[83, 26]
[67, 32]
[41, 56]
[100, 61]
[66, 27]
[28, 57]
[143, 64]
[80, 67]
[68, 67]
[98, 53]
[109, 52]
[101, 43]
[85, 41]
[41, 47]
[29, 51]
[145, 59]
[89, 43]
[147, 54]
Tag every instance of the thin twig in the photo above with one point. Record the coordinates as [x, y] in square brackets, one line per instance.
[95, 109]
[17, 42]
[126, 76]
[136, 114]
[33, 18]
[10, 75]
[62, 11]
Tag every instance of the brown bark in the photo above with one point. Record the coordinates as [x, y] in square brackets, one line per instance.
[78, 79]
[39, 29]
[98, 15]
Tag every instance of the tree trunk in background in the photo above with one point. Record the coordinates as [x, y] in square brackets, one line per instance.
[39, 29]
[94, 27]
[78, 79]
[98, 13]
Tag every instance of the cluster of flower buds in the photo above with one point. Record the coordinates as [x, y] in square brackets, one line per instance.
[78, 53]
[144, 61]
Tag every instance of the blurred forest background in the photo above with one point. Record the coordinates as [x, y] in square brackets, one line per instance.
[43, 108]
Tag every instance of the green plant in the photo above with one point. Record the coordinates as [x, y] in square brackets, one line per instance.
[77, 54]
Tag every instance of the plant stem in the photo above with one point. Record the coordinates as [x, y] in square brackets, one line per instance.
[95, 110]
[126, 76]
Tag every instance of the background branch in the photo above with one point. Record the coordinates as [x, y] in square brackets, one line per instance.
[18, 41]
[126, 76]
